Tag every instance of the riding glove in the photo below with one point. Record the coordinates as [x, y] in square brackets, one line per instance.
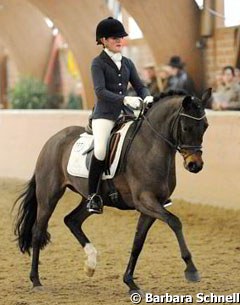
[148, 99]
[132, 101]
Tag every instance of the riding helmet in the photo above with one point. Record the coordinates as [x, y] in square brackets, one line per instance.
[109, 27]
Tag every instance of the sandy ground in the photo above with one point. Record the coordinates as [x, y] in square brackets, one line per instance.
[212, 235]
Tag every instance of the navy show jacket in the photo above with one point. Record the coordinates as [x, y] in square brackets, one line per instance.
[110, 85]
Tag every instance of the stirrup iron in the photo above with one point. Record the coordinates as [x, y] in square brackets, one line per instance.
[95, 204]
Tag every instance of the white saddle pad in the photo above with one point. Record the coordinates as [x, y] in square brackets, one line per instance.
[77, 161]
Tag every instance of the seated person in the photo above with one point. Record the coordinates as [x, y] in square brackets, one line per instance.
[237, 75]
[227, 95]
[218, 81]
[151, 79]
[163, 76]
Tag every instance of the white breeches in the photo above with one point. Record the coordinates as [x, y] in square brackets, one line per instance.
[101, 133]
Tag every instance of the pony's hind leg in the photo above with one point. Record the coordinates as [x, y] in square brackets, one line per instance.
[74, 222]
[40, 236]
[144, 224]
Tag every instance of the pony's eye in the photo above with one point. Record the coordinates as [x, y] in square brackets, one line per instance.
[187, 129]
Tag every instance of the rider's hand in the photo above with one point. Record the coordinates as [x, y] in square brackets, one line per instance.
[148, 99]
[132, 101]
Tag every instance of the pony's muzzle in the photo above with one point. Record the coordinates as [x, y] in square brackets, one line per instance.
[194, 167]
[193, 161]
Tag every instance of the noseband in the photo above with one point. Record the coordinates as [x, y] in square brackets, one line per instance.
[178, 145]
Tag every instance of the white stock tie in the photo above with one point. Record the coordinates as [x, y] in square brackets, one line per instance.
[117, 57]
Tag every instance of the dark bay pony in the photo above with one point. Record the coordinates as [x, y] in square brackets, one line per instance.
[174, 123]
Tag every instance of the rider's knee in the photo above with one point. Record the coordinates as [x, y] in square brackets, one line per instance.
[100, 153]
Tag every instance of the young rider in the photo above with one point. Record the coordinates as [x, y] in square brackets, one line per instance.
[111, 73]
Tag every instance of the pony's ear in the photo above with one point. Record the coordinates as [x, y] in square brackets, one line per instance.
[187, 102]
[206, 96]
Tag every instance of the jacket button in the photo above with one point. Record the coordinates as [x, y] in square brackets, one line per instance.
[120, 92]
[119, 75]
[120, 84]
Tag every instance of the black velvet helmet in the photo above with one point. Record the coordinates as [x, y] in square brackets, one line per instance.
[109, 27]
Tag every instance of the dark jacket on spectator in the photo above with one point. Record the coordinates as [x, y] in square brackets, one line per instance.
[182, 81]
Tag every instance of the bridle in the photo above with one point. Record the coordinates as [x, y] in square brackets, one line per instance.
[178, 146]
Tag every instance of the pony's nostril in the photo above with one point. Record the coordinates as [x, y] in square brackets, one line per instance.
[194, 167]
[191, 165]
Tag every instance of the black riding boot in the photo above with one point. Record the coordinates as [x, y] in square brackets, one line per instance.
[94, 201]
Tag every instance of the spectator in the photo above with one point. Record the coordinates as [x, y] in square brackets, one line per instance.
[216, 85]
[227, 96]
[237, 75]
[151, 79]
[163, 76]
[179, 79]
[218, 82]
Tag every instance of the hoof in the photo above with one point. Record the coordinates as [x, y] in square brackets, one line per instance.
[192, 276]
[136, 296]
[139, 291]
[91, 262]
[37, 289]
[88, 270]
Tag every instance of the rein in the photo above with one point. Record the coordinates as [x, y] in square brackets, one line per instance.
[178, 146]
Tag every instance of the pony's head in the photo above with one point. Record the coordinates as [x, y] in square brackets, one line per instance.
[191, 127]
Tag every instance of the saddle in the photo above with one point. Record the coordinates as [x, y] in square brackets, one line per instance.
[112, 143]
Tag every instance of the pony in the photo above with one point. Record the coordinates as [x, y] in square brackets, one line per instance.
[174, 123]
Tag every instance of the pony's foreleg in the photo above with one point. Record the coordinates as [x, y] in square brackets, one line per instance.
[144, 224]
[191, 272]
[149, 205]
[74, 222]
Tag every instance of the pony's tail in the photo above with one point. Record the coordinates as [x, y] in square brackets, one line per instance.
[25, 218]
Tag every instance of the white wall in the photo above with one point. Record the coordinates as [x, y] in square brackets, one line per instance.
[23, 134]
[218, 183]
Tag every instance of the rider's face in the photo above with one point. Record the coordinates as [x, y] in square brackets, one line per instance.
[114, 44]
